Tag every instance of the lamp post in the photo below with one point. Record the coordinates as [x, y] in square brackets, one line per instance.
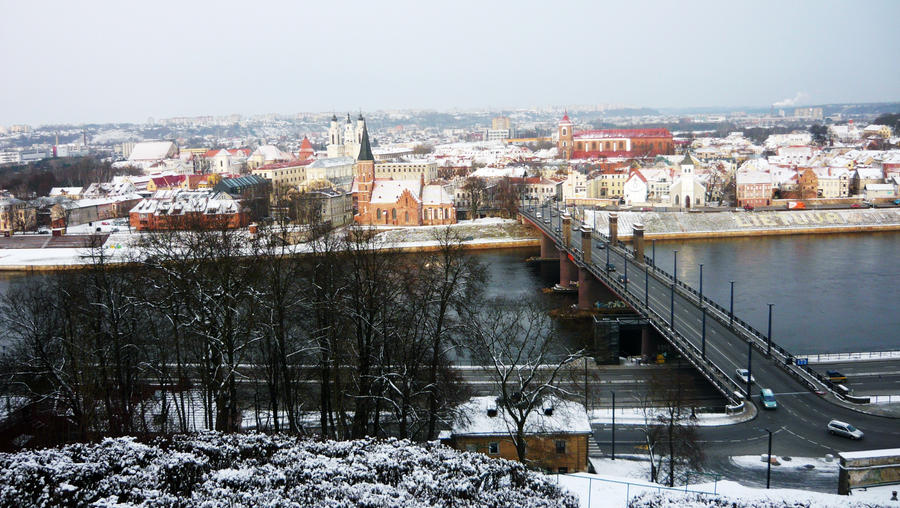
[769, 460]
[608, 246]
[769, 335]
[646, 287]
[703, 334]
[672, 308]
[653, 262]
[731, 306]
[701, 284]
[625, 283]
[749, 366]
[675, 267]
[614, 425]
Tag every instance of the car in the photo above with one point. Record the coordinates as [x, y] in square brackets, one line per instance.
[839, 428]
[742, 374]
[538, 215]
[835, 376]
[610, 267]
[546, 221]
[622, 279]
[600, 245]
[856, 205]
[897, 201]
[768, 399]
[749, 208]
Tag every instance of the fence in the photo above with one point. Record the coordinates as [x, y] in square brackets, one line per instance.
[842, 357]
[625, 488]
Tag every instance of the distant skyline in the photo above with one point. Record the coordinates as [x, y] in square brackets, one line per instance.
[106, 61]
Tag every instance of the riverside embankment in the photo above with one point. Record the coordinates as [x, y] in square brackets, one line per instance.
[686, 225]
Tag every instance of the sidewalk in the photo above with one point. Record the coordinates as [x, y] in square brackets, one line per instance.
[635, 416]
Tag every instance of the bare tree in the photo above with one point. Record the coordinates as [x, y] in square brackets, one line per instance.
[518, 346]
[475, 187]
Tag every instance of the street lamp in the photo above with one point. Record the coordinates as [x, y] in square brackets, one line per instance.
[675, 267]
[653, 261]
[703, 334]
[613, 425]
[646, 287]
[749, 366]
[672, 308]
[769, 335]
[701, 284]
[625, 283]
[769, 460]
[731, 306]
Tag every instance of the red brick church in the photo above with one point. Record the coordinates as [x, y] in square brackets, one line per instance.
[396, 202]
[599, 143]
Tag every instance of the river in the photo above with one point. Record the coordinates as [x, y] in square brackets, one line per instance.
[832, 293]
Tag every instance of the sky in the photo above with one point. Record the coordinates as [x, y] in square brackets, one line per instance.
[123, 61]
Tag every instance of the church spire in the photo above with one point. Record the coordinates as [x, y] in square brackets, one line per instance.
[365, 151]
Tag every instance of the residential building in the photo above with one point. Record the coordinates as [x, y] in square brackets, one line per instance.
[184, 209]
[874, 191]
[556, 434]
[407, 170]
[863, 176]
[754, 188]
[16, 215]
[284, 175]
[267, 154]
[330, 171]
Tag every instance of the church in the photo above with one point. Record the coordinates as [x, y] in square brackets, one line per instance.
[599, 143]
[344, 140]
[385, 201]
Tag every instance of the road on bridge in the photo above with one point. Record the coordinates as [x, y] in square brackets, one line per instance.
[799, 422]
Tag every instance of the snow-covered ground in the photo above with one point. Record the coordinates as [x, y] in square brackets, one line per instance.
[617, 490]
[636, 416]
[119, 245]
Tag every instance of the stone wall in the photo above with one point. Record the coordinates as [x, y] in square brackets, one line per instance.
[665, 225]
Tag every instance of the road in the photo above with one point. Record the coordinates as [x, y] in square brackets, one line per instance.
[799, 422]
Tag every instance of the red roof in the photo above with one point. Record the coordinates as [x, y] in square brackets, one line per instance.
[168, 180]
[596, 154]
[566, 117]
[639, 174]
[624, 133]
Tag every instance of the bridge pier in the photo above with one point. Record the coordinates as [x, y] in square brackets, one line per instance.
[648, 347]
[637, 240]
[566, 270]
[567, 230]
[588, 289]
[613, 228]
[548, 250]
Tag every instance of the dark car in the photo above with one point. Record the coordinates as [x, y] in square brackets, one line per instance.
[600, 245]
[610, 267]
[835, 376]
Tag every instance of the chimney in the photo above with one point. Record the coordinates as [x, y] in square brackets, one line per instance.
[586, 243]
[637, 240]
[567, 229]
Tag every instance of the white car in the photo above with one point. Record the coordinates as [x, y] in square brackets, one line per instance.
[839, 428]
[742, 374]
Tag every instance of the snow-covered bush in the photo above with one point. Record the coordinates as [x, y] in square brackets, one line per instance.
[676, 500]
[212, 469]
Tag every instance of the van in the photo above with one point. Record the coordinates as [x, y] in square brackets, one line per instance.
[768, 399]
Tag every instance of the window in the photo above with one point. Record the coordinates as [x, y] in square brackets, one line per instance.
[560, 446]
[563, 470]
[494, 448]
[394, 213]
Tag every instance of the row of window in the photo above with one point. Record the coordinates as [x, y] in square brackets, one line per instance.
[494, 447]
[427, 214]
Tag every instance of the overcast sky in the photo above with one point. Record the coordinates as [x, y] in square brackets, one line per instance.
[127, 61]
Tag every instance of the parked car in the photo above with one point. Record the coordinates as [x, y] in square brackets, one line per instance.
[835, 376]
[546, 221]
[742, 374]
[768, 399]
[856, 205]
[839, 428]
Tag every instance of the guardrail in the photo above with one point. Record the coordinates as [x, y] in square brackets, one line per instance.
[635, 488]
[839, 357]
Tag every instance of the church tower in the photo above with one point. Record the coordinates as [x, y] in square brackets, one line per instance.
[364, 172]
[687, 182]
[566, 144]
[335, 138]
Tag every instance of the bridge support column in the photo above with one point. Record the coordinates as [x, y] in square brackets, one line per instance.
[588, 289]
[613, 228]
[648, 348]
[548, 250]
[637, 239]
[567, 230]
[566, 270]
[586, 244]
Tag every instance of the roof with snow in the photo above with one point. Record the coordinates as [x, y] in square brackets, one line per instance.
[623, 133]
[435, 195]
[271, 153]
[152, 151]
[389, 191]
[330, 162]
[567, 417]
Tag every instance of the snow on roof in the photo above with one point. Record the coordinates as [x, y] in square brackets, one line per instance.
[567, 418]
[623, 133]
[152, 150]
[271, 153]
[435, 195]
[330, 162]
[870, 454]
[751, 177]
[60, 191]
[389, 191]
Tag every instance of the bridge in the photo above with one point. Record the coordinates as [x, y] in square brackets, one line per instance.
[714, 340]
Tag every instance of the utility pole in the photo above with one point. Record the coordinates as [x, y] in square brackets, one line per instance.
[769, 335]
[731, 306]
[769, 461]
[614, 425]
